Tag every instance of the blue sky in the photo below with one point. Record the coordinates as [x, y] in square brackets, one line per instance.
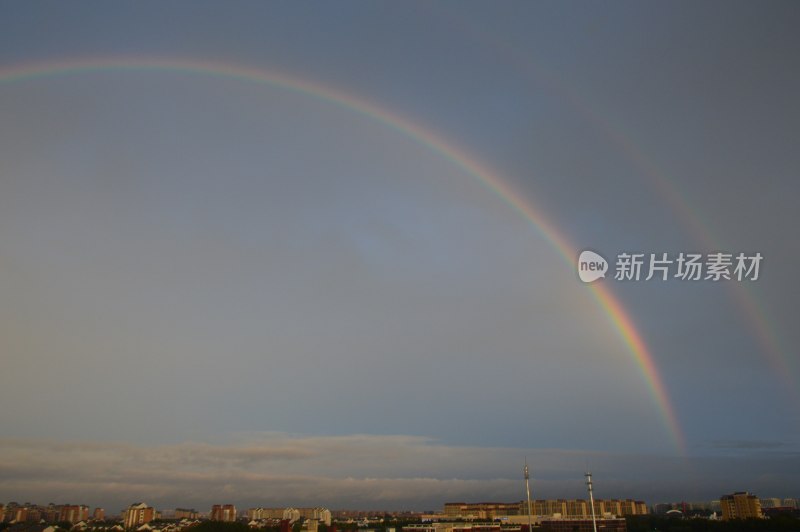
[201, 275]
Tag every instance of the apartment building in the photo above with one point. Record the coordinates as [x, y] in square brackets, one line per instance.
[740, 505]
[223, 512]
[138, 514]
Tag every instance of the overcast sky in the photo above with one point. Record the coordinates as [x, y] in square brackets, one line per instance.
[216, 290]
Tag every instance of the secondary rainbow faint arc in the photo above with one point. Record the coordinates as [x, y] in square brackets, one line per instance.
[614, 310]
[756, 315]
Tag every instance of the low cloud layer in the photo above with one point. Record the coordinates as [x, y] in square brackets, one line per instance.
[357, 471]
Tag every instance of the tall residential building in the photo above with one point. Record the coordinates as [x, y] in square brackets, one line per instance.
[453, 509]
[51, 512]
[73, 513]
[20, 514]
[186, 513]
[631, 507]
[322, 515]
[576, 507]
[138, 514]
[547, 508]
[740, 505]
[264, 513]
[223, 512]
[771, 502]
[481, 510]
[99, 514]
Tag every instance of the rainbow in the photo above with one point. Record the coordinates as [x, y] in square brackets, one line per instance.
[754, 312]
[613, 309]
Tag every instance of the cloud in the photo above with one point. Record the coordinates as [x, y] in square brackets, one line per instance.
[746, 444]
[355, 471]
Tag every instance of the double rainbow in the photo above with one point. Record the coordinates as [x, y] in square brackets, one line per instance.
[616, 313]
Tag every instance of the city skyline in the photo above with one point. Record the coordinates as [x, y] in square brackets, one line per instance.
[264, 250]
[151, 476]
[51, 513]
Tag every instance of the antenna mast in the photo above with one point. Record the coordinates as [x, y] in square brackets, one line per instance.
[528, 492]
[588, 476]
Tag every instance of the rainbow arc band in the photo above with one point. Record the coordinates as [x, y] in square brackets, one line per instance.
[613, 309]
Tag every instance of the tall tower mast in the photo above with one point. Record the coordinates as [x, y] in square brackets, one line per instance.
[528, 492]
[591, 498]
